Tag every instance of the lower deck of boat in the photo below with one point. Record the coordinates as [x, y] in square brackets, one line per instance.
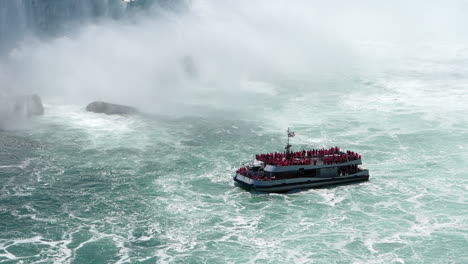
[298, 183]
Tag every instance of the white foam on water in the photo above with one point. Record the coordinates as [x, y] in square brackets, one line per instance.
[258, 87]
[123, 250]
[17, 191]
[100, 122]
[4, 245]
[25, 163]
[32, 214]
[329, 196]
[7, 254]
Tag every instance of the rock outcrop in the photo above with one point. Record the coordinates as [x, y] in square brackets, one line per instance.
[21, 106]
[110, 109]
[34, 105]
[189, 67]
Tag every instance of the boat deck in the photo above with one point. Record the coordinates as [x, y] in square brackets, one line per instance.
[308, 158]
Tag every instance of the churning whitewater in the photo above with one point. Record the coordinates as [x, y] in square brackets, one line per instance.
[215, 84]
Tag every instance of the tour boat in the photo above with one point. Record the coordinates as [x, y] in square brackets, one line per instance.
[282, 172]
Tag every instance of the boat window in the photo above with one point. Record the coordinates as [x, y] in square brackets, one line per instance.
[311, 173]
[301, 172]
[256, 168]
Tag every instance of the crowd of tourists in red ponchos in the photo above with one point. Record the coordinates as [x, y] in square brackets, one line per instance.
[308, 157]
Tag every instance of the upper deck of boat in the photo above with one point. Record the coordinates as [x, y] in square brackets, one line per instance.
[308, 157]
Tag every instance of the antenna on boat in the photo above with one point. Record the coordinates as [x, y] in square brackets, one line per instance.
[288, 146]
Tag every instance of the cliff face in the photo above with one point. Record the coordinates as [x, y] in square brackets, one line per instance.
[15, 107]
[20, 18]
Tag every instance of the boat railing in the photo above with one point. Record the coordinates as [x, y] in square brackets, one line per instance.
[308, 157]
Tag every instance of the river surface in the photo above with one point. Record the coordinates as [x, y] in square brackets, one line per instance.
[79, 187]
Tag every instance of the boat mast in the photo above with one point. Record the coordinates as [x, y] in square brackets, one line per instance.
[287, 146]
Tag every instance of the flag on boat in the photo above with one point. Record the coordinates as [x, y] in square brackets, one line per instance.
[291, 134]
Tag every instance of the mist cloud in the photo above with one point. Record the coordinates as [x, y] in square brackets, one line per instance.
[222, 52]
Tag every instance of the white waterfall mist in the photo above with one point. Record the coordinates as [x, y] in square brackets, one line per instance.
[216, 53]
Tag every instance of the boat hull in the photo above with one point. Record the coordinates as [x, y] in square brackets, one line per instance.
[298, 183]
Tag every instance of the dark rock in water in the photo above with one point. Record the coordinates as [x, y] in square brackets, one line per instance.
[189, 66]
[21, 106]
[34, 105]
[110, 109]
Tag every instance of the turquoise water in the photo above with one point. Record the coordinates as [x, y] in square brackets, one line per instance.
[80, 187]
